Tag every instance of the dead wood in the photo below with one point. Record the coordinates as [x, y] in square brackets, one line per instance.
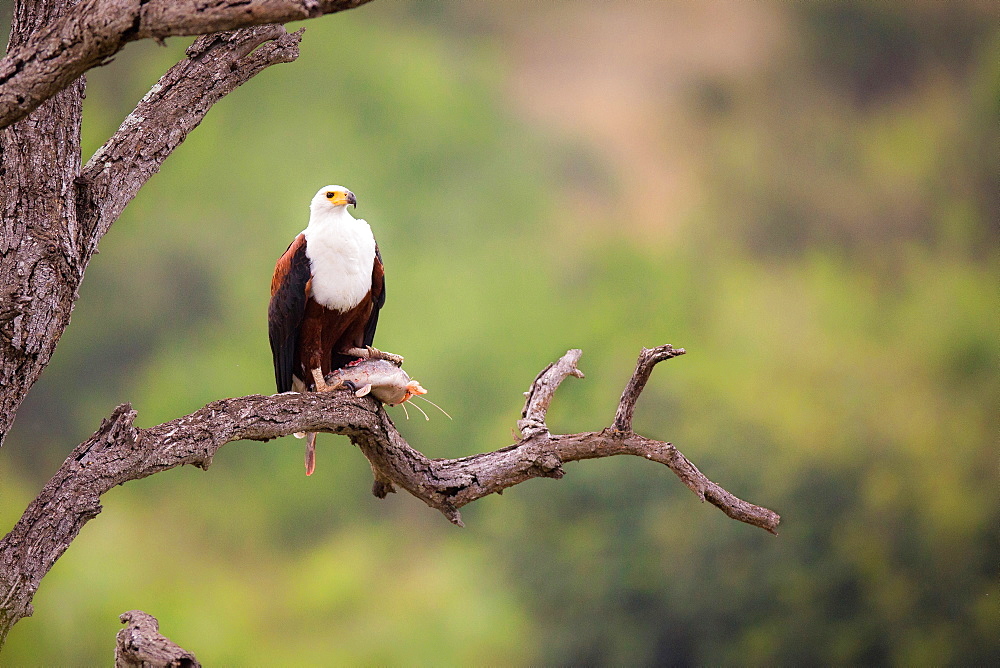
[90, 32]
[141, 645]
[119, 452]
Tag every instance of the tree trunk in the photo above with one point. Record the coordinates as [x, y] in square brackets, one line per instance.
[40, 265]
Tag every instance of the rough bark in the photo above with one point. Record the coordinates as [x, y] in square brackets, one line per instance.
[119, 452]
[141, 645]
[54, 213]
[215, 66]
[90, 33]
[39, 270]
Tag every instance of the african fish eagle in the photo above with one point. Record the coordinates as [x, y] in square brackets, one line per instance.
[326, 294]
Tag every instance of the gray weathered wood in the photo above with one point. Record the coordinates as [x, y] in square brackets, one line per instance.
[54, 213]
[141, 645]
[215, 66]
[539, 395]
[119, 452]
[92, 31]
[648, 358]
[39, 269]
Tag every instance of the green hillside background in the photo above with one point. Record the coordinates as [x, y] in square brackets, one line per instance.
[805, 196]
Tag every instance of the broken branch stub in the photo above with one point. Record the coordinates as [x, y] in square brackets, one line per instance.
[141, 645]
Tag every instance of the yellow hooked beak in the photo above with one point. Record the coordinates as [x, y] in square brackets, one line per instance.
[342, 198]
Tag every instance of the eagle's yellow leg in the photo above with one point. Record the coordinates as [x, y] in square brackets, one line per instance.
[321, 385]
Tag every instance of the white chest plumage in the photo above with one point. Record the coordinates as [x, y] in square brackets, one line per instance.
[341, 252]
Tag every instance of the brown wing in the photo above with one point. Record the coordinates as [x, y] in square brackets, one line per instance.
[289, 292]
[378, 296]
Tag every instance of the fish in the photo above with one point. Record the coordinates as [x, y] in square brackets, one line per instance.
[378, 377]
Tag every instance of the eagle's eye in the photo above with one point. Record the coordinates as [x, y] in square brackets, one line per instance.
[330, 194]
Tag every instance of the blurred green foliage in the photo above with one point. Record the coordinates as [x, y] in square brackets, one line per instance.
[836, 287]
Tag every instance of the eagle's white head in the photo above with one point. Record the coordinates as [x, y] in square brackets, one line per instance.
[330, 199]
[341, 250]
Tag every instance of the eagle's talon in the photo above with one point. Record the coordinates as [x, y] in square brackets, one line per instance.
[330, 387]
[322, 385]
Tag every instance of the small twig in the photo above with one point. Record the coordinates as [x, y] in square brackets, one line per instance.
[141, 645]
[648, 358]
[705, 489]
[543, 388]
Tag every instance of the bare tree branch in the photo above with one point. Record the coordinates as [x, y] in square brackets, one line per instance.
[215, 66]
[141, 645]
[119, 452]
[539, 395]
[92, 31]
[648, 358]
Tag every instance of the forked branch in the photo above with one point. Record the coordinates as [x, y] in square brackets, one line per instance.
[119, 452]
